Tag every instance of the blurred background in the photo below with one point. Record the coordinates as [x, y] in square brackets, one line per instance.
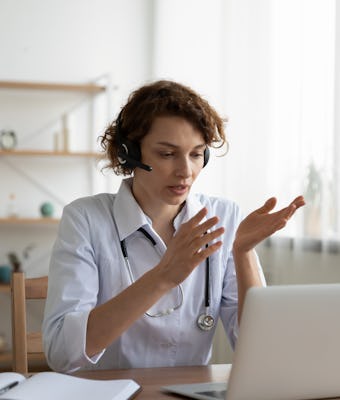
[271, 67]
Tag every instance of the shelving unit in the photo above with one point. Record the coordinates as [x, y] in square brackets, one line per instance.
[26, 159]
[9, 156]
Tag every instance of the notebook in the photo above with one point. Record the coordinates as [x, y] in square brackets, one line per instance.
[288, 347]
[55, 386]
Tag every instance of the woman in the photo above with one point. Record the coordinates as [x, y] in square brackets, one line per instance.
[139, 278]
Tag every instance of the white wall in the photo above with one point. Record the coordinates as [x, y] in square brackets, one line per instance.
[66, 41]
[75, 41]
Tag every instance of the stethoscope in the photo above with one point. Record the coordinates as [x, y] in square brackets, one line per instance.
[205, 321]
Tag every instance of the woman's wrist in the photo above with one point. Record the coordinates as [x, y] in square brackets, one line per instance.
[159, 279]
[242, 255]
[240, 249]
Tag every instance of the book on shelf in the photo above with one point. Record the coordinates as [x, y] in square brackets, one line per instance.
[57, 386]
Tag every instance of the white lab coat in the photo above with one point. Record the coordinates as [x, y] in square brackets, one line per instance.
[87, 269]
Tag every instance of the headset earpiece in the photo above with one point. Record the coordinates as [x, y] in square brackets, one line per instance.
[129, 154]
[206, 156]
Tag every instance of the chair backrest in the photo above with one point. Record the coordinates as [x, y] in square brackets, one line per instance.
[25, 344]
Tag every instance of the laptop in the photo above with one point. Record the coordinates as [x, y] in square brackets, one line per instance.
[288, 347]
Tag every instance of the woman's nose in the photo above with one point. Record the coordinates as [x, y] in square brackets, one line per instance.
[183, 167]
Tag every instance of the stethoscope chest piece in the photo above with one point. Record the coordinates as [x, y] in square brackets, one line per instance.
[205, 322]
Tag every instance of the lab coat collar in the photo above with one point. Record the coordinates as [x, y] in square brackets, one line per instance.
[127, 212]
[129, 216]
[192, 207]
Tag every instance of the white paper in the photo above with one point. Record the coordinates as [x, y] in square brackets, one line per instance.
[55, 386]
[7, 378]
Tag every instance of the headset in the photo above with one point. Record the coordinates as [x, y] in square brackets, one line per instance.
[129, 154]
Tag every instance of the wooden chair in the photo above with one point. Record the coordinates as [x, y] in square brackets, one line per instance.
[26, 345]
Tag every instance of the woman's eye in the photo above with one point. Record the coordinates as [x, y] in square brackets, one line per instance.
[167, 154]
[197, 155]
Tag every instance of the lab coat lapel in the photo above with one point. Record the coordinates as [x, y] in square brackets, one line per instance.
[126, 211]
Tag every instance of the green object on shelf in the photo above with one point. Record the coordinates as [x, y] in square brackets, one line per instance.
[47, 209]
[5, 274]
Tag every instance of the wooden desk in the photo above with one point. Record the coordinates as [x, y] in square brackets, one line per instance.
[151, 379]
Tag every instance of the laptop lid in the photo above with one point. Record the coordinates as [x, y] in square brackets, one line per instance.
[288, 346]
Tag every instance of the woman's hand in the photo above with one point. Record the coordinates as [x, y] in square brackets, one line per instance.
[187, 249]
[260, 224]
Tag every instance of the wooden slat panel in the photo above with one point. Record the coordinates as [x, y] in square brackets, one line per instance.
[36, 362]
[25, 345]
[34, 342]
[19, 323]
[36, 288]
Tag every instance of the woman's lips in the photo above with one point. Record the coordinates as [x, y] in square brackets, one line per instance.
[179, 190]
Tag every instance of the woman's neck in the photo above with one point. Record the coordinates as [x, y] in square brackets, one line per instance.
[163, 221]
[162, 216]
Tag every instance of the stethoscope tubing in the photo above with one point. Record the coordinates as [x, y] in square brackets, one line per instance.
[205, 321]
[207, 283]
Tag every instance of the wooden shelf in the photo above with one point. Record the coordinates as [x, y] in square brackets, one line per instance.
[68, 87]
[49, 153]
[4, 289]
[29, 221]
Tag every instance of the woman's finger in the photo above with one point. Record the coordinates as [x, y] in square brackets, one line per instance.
[199, 216]
[268, 206]
[200, 256]
[204, 240]
[205, 226]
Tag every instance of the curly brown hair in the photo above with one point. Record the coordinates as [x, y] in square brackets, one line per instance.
[161, 98]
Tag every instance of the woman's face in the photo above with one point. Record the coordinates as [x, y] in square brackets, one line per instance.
[175, 151]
